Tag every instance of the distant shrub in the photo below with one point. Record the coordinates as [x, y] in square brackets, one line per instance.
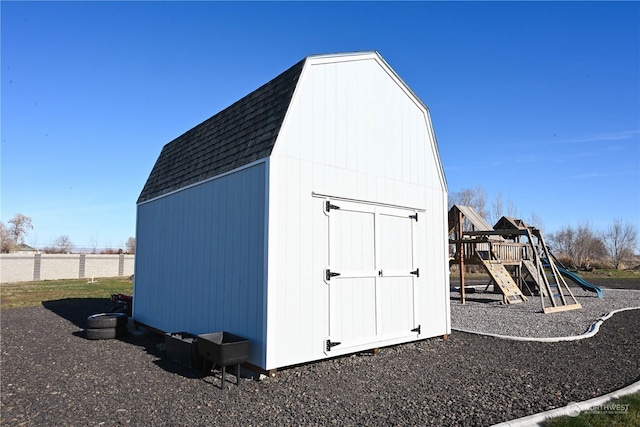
[601, 264]
[566, 261]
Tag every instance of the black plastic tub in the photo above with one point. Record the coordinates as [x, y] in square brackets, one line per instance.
[182, 347]
[223, 348]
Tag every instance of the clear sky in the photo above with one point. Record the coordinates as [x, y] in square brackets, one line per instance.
[538, 101]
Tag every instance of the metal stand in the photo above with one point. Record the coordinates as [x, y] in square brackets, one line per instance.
[224, 373]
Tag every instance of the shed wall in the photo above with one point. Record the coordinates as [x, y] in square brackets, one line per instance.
[200, 258]
[353, 131]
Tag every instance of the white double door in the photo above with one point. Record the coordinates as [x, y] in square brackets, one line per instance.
[372, 273]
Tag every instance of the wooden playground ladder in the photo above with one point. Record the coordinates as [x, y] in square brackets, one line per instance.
[504, 281]
[556, 292]
[534, 272]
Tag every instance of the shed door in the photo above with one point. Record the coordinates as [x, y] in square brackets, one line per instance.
[397, 277]
[371, 274]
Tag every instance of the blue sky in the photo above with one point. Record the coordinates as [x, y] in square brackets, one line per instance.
[538, 101]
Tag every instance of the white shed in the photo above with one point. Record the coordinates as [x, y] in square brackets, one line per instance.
[310, 217]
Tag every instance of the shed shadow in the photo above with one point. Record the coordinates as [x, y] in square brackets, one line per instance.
[76, 310]
[174, 367]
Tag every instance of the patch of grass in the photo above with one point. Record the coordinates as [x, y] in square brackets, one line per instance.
[611, 273]
[31, 294]
[622, 412]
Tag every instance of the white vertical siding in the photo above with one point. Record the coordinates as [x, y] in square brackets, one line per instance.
[354, 117]
[353, 131]
[435, 300]
[200, 259]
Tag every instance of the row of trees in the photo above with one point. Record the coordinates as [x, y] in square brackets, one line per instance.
[16, 230]
[580, 246]
[583, 246]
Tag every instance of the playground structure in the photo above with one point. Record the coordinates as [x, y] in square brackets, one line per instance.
[516, 258]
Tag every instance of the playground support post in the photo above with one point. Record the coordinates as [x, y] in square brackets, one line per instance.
[461, 258]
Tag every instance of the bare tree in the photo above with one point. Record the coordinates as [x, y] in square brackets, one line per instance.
[589, 245]
[581, 245]
[94, 245]
[563, 243]
[5, 241]
[131, 245]
[512, 209]
[497, 208]
[536, 221]
[62, 244]
[19, 228]
[15, 232]
[620, 240]
[472, 197]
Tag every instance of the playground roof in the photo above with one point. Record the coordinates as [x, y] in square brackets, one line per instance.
[477, 222]
[508, 223]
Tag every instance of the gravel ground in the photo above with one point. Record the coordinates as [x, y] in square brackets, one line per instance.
[52, 376]
[484, 312]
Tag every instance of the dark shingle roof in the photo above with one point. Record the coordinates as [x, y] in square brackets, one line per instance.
[238, 135]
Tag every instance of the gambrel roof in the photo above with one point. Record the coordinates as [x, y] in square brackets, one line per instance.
[238, 135]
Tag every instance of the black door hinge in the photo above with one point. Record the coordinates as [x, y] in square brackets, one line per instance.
[329, 206]
[329, 274]
[416, 272]
[331, 344]
[414, 216]
[416, 330]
